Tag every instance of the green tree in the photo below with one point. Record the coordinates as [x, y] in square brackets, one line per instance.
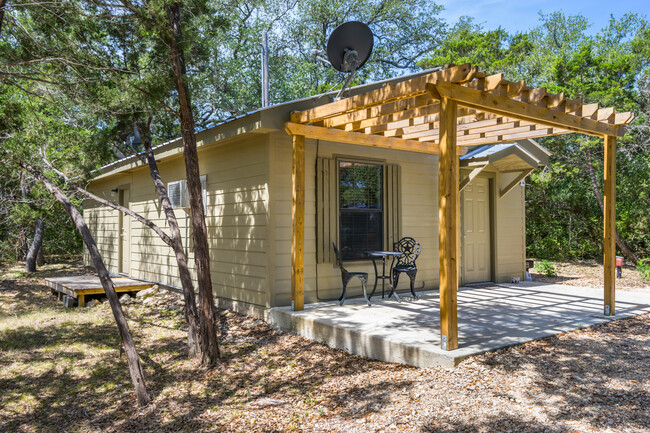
[126, 61]
[492, 51]
[564, 204]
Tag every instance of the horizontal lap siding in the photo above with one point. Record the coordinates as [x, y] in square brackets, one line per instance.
[236, 218]
[103, 223]
[418, 197]
[511, 231]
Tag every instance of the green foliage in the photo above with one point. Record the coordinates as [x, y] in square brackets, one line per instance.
[643, 266]
[102, 71]
[405, 31]
[545, 267]
[564, 219]
[493, 51]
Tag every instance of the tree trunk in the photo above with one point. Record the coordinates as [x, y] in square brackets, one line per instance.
[209, 342]
[191, 314]
[3, 3]
[594, 185]
[35, 247]
[40, 258]
[135, 368]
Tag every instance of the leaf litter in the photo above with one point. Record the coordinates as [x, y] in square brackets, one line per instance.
[62, 371]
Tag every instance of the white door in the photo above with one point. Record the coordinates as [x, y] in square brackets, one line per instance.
[477, 262]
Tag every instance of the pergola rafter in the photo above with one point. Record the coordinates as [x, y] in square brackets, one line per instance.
[443, 112]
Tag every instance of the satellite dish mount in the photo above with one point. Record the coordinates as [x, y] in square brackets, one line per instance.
[348, 48]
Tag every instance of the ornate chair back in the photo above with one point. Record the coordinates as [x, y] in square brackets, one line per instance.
[410, 250]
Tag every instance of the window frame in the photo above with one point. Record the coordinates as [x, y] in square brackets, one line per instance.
[370, 161]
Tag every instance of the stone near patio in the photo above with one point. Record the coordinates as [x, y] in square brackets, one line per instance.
[267, 402]
[92, 303]
[151, 300]
[143, 294]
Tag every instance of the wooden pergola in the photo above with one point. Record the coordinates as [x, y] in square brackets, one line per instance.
[440, 113]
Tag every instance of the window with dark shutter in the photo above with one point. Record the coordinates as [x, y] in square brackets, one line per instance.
[357, 207]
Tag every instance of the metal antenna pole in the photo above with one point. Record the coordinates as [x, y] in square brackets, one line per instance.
[265, 70]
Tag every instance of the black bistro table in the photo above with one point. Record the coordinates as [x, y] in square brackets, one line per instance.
[375, 255]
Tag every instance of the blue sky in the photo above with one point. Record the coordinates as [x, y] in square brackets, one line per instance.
[523, 15]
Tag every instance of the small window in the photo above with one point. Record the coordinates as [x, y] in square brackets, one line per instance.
[361, 208]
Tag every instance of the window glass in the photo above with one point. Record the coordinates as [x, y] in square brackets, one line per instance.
[360, 208]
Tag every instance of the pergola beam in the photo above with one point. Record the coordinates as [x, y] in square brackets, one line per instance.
[609, 235]
[338, 135]
[522, 110]
[448, 224]
[298, 224]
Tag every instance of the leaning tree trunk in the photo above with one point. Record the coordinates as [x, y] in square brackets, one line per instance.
[175, 242]
[135, 368]
[191, 314]
[209, 342]
[594, 184]
[35, 247]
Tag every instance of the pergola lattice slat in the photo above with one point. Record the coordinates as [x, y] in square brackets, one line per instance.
[522, 110]
[388, 93]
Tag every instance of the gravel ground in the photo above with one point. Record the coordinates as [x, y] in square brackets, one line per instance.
[62, 372]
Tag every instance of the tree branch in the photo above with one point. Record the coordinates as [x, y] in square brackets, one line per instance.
[166, 239]
[630, 255]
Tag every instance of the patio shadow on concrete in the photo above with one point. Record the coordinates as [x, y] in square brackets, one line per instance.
[490, 317]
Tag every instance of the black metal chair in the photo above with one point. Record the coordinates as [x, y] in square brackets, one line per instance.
[410, 250]
[347, 276]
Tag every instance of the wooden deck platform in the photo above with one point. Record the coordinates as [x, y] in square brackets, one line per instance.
[81, 286]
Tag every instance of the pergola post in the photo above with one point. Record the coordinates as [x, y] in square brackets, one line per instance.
[298, 224]
[448, 223]
[610, 224]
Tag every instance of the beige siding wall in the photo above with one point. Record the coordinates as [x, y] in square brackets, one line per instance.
[237, 220]
[510, 230]
[249, 220]
[419, 216]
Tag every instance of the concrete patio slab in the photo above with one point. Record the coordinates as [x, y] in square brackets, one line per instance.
[489, 317]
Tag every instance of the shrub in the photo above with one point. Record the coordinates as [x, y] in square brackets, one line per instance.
[547, 268]
[644, 269]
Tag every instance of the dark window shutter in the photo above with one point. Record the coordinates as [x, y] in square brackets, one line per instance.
[393, 206]
[326, 209]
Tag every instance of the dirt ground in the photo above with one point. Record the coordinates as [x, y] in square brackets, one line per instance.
[62, 371]
[590, 274]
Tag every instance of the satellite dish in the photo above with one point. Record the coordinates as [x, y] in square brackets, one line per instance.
[349, 46]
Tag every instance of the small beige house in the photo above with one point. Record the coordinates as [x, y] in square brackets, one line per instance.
[358, 197]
